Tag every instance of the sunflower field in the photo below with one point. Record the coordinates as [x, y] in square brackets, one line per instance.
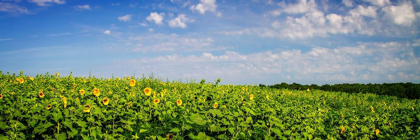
[54, 107]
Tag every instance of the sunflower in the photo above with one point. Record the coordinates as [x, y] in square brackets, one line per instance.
[96, 92]
[82, 92]
[1, 96]
[13, 93]
[308, 90]
[48, 107]
[267, 96]
[64, 101]
[251, 97]
[106, 101]
[109, 92]
[156, 101]
[161, 94]
[342, 129]
[164, 90]
[132, 82]
[243, 103]
[87, 109]
[41, 94]
[118, 78]
[215, 105]
[132, 94]
[154, 94]
[170, 136]
[129, 104]
[57, 74]
[31, 78]
[21, 80]
[147, 91]
[377, 132]
[179, 102]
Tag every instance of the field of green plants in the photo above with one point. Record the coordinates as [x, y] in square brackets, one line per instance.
[66, 107]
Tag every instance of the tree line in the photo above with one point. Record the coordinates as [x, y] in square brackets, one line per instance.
[403, 90]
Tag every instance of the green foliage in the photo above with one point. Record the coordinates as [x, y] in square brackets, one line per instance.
[402, 90]
[65, 113]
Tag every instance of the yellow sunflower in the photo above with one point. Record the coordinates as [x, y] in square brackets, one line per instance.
[342, 129]
[377, 132]
[87, 109]
[106, 101]
[147, 91]
[48, 107]
[156, 101]
[30, 78]
[57, 74]
[267, 96]
[82, 92]
[251, 97]
[179, 102]
[64, 101]
[132, 82]
[1, 96]
[132, 94]
[170, 136]
[215, 105]
[21, 80]
[129, 104]
[308, 90]
[96, 92]
[41, 94]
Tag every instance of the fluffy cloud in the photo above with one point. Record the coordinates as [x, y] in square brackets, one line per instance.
[155, 17]
[348, 3]
[304, 20]
[179, 21]
[125, 18]
[303, 6]
[402, 14]
[379, 2]
[204, 5]
[82, 7]
[342, 64]
[107, 32]
[171, 43]
[47, 2]
[12, 8]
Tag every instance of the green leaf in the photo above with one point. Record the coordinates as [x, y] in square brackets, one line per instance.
[196, 118]
[175, 130]
[249, 120]
[276, 131]
[288, 132]
[57, 116]
[61, 136]
[82, 123]
[143, 130]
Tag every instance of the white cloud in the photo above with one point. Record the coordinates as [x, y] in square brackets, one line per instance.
[179, 21]
[379, 2]
[107, 32]
[369, 11]
[150, 30]
[6, 39]
[59, 34]
[219, 14]
[125, 18]
[204, 5]
[303, 6]
[144, 24]
[348, 3]
[82, 7]
[47, 2]
[342, 64]
[171, 42]
[155, 17]
[402, 14]
[12, 8]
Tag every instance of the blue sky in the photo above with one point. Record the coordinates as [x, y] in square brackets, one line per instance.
[239, 41]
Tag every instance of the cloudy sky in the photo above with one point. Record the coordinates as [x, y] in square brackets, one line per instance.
[239, 41]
